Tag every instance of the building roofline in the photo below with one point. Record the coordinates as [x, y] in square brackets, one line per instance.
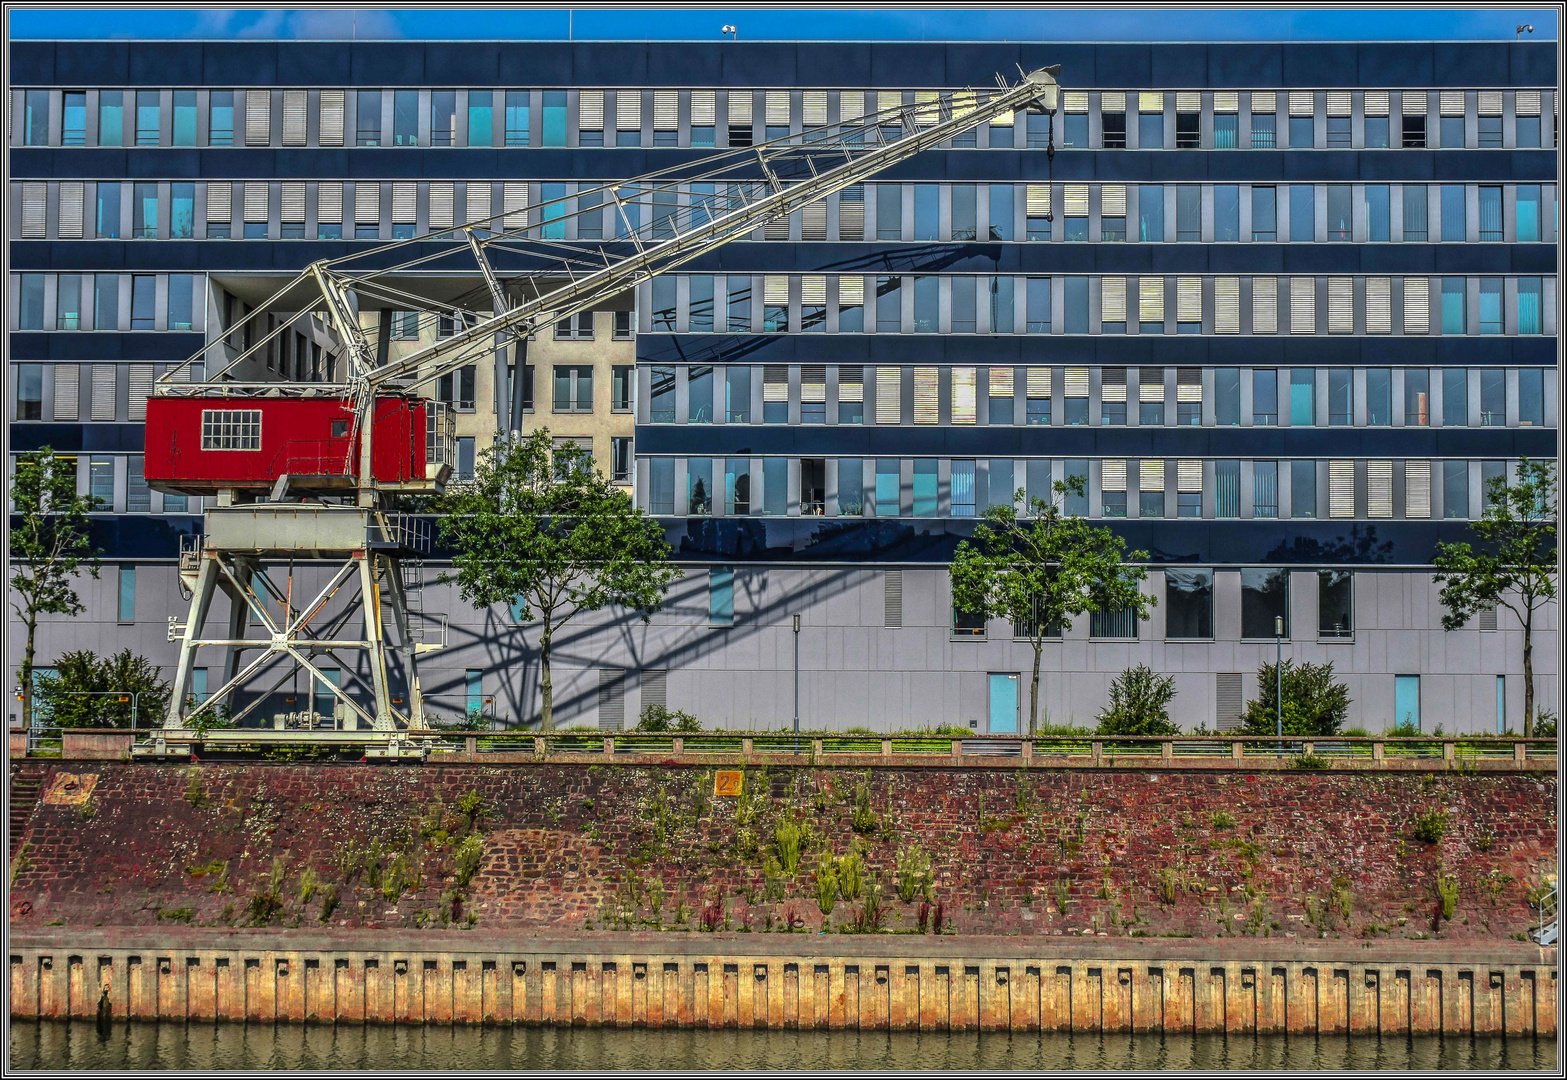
[768, 41]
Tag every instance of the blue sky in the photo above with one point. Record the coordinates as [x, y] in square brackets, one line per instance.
[842, 24]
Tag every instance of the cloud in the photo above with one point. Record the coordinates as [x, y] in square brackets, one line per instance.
[342, 23]
[215, 22]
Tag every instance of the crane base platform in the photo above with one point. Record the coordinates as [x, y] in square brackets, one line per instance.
[182, 743]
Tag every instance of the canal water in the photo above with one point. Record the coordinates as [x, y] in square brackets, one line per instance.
[61, 1045]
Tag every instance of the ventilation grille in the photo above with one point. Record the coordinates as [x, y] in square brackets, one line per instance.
[893, 613]
[1227, 700]
[612, 700]
[655, 687]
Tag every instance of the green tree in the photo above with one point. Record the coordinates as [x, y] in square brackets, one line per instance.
[50, 545]
[1139, 704]
[1314, 702]
[91, 691]
[547, 532]
[1515, 567]
[1041, 569]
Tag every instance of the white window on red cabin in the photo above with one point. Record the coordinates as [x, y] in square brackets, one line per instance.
[231, 429]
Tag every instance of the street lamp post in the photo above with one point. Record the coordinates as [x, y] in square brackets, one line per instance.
[1278, 673]
[797, 674]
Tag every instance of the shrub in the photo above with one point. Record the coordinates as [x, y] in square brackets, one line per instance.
[660, 718]
[470, 805]
[329, 898]
[850, 876]
[87, 690]
[1545, 724]
[864, 819]
[1139, 704]
[826, 882]
[1447, 893]
[469, 854]
[308, 882]
[789, 835]
[1429, 827]
[914, 877]
[1314, 702]
[1310, 761]
[1220, 819]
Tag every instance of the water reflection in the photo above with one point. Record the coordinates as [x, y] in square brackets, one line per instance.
[60, 1045]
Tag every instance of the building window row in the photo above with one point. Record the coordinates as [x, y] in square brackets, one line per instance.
[119, 483]
[140, 302]
[1208, 488]
[1098, 304]
[936, 212]
[110, 393]
[675, 117]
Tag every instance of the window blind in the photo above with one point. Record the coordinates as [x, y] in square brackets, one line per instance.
[1341, 305]
[1112, 101]
[1150, 101]
[927, 106]
[1188, 476]
[851, 105]
[292, 208]
[666, 110]
[926, 395]
[71, 210]
[1075, 198]
[1112, 475]
[67, 391]
[1188, 101]
[1038, 382]
[35, 203]
[813, 383]
[1303, 305]
[1076, 380]
[1264, 101]
[1112, 200]
[1417, 489]
[1226, 305]
[1338, 103]
[964, 395]
[294, 117]
[441, 204]
[331, 118]
[628, 110]
[813, 220]
[1039, 200]
[1452, 103]
[1527, 103]
[219, 201]
[813, 289]
[1379, 305]
[1150, 301]
[1414, 103]
[329, 202]
[1001, 382]
[851, 290]
[103, 391]
[775, 289]
[590, 109]
[367, 202]
[1150, 476]
[704, 108]
[1150, 384]
[777, 102]
[1376, 103]
[514, 204]
[814, 108]
[1074, 101]
[1264, 305]
[1226, 101]
[1379, 489]
[140, 386]
[1188, 299]
[1490, 103]
[851, 383]
[1112, 384]
[1302, 103]
[1417, 305]
[851, 212]
[740, 106]
[775, 382]
[478, 201]
[255, 201]
[404, 202]
[1188, 384]
[258, 117]
[1112, 299]
[1341, 489]
[889, 395]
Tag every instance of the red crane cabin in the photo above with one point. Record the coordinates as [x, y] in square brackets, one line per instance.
[201, 445]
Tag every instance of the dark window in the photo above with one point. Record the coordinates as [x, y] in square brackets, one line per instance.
[889, 212]
[1453, 217]
[1490, 215]
[405, 118]
[1038, 129]
[661, 400]
[1414, 132]
[1341, 402]
[73, 128]
[926, 218]
[1227, 489]
[1335, 605]
[699, 314]
[1417, 397]
[1226, 213]
[1112, 127]
[1452, 129]
[1377, 229]
[1302, 133]
[1076, 504]
[1074, 131]
[108, 219]
[889, 305]
[1338, 132]
[1188, 597]
[1376, 132]
[1075, 304]
[1303, 214]
[443, 117]
[926, 304]
[1455, 489]
[1379, 396]
[1528, 133]
[1264, 598]
[1265, 396]
[1264, 135]
[1188, 131]
[620, 460]
[68, 303]
[31, 316]
[1227, 396]
[1150, 131]
[699, 394]
[621, 376]
[739, 321]
[1455, 397]
[1001, 211]
[180, 301]
[1339, 212]
[964, 312]
[35, 120]
[1531, 400]
[1000, 136]
[1150, 214]
[1416, 213]
[367, 118]
[143, 302]
[30, 392]
[737, 395]
[1188, 213]
[517, 117]
[1303, 489]
[1493, 397]
[963, 210]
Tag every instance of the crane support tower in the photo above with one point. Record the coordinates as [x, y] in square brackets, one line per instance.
[318, 472]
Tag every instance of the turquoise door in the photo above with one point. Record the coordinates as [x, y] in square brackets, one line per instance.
[1406, 701]
[1003, 704]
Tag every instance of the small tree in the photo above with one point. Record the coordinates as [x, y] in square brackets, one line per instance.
[1516, 569]
[91, 691]
[50, 545]
[1314, 702]
[1044, 568]
[555, 538]
[1139, 704]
